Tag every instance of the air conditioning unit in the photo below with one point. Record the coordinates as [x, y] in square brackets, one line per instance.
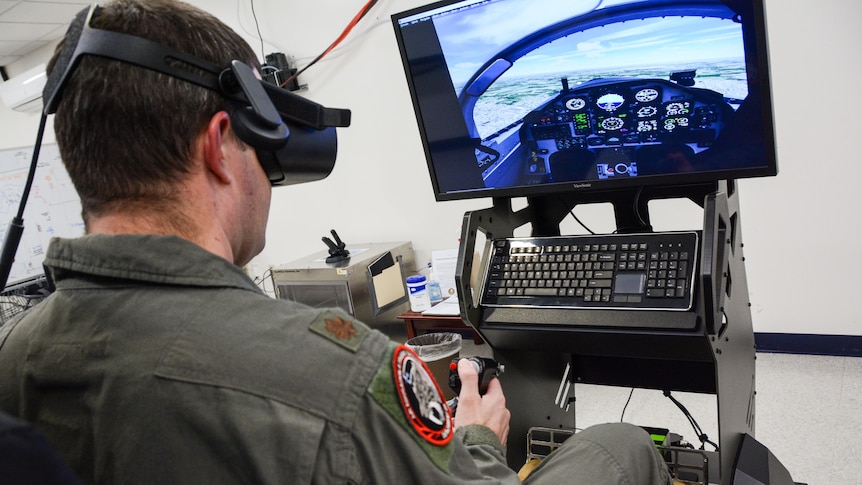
[24, 92]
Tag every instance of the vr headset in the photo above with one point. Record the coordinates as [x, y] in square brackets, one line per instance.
[294, 138]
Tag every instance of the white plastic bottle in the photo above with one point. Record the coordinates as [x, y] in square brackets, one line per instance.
[418, 289]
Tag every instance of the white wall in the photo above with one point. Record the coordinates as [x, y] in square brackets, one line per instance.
[800, 228]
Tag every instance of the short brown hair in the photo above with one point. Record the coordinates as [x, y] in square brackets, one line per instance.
[126, 133]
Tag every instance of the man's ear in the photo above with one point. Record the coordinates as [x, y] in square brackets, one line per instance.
[215, 149]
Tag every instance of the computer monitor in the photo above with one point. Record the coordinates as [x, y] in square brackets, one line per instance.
[529, 97]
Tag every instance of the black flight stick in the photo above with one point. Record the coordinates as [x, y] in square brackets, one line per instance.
[337, 250]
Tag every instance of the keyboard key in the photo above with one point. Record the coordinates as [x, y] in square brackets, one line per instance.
[599, 283]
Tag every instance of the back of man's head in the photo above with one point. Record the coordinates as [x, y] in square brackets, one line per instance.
[126, 133]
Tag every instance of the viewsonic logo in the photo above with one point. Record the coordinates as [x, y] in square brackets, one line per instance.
[582, 186]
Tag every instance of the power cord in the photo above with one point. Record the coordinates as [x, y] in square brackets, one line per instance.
[699, 432]
[362, 12]
[359, 16]
[636, 207]
[261, 280]
[257, 26]
[627, 404]
[572, 213]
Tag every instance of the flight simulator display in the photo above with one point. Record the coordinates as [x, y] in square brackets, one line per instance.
[521, 97]
[571, 102]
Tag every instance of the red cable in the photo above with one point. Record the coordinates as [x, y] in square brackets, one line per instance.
[340, 38]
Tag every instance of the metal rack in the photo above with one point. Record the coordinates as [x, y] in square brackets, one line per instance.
[613, 347]
[12, 304]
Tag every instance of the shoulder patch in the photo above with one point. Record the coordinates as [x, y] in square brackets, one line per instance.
[340, 329]
[421, 399]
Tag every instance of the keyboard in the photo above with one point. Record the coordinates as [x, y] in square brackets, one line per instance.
[624, 271]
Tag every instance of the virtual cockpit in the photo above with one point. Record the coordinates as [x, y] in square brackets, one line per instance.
[627, 92]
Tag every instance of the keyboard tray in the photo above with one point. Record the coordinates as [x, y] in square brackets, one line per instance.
[652, 271]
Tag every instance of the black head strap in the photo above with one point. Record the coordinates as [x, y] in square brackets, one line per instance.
[81, 39]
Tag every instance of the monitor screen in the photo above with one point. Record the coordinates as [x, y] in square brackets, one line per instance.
[527, 97]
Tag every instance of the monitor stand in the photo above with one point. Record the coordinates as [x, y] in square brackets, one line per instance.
[717, 357]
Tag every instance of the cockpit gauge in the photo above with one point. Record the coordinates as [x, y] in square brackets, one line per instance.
[647, 111]
[646, 95]
[678, 108]
[612, 124]
[575, 104]
[673, 123]
[647, 126]
[610, 101]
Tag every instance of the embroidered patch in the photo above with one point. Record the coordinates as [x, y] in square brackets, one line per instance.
[421, 398]
[339, 329]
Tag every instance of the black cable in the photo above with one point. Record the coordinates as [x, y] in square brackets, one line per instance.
[16, 225]
[636, 207]
[627, 404]
[267, 276]
[31, 174]
[260, 281]
[697, 430]
[572, 213]
[257, 26]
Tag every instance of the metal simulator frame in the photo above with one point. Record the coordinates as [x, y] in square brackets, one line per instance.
[707, 349]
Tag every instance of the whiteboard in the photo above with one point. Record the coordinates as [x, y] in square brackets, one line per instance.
[53, 208]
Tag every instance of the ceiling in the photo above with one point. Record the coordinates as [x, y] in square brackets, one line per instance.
[28, 25]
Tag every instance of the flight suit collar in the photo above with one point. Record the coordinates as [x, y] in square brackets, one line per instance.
[143, 258]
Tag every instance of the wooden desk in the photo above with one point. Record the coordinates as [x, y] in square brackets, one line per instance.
[414, 321]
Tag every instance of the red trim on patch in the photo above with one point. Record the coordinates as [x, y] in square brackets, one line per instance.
[421, 398]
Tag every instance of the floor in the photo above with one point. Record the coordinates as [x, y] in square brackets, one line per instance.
[808, 411]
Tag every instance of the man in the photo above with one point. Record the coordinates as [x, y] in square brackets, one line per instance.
[158, 361]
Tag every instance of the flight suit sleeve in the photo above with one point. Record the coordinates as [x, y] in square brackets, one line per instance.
[405, 433]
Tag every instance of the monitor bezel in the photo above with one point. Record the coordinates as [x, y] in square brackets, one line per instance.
[754, 34]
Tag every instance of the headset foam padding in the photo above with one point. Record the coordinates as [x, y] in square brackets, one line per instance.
[62, 70]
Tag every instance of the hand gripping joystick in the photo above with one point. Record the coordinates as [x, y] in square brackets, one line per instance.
[487, 369]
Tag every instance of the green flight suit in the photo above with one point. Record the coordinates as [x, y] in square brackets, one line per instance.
[157, 362]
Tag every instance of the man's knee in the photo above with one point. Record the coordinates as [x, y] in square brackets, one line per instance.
[604, 454]
[618, 435]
